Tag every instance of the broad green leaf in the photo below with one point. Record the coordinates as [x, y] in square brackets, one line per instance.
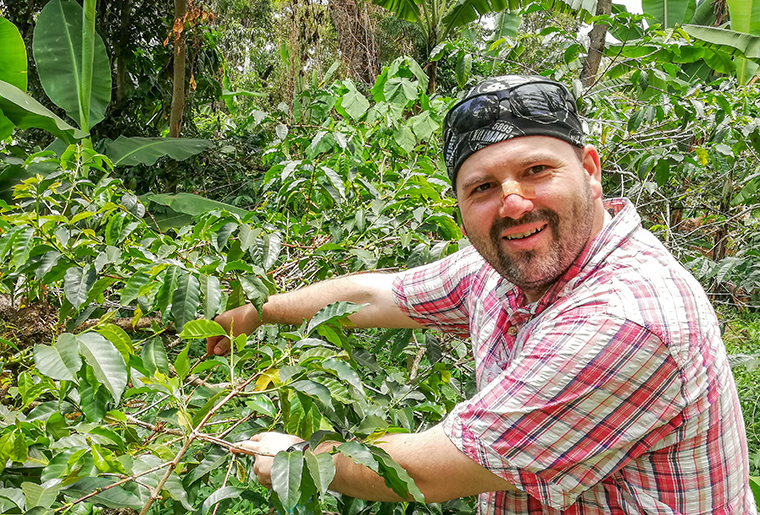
[344, 372]
[92, 398]
[395, 476]
[198, 329]
[182, 364]
[464, 68]
[106, 362]
[466, 11]
[506, 25]
[16, 496]
[21, 246]
[255, 290]
[119, 338]
[26, 113]
[335, 180]
[423, 125]
[670, 12]
[61, 361]
[125, 151]
[212, 294]
[334, 311]
[360, 454]
[262, 404]
[131, 289]
[405, 9]
[226, 492]
[166, 290]
[354, 103]
[287, 478]
[376, 459]
[17, 449]
[57, 48]
[405, 139]
[13, 63]
[321, 469]
[745, 16]
[105, 460]
[154, 356]
[186, 299]
[77, 284]
[247, 236]
[224, 234]
[193, 205]
[113, 228]
[727, 41]
[313, 389]
[116, 497]
[40, 495]
[399, 90]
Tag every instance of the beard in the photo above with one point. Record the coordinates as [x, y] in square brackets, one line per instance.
[536, 269]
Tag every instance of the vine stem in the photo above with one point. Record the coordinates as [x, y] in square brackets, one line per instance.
[191, 438]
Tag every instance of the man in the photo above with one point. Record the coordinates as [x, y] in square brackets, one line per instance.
[603, 382]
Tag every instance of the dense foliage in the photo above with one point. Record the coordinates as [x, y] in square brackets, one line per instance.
[107, 295]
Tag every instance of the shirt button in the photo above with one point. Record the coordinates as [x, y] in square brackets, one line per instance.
[512, 331]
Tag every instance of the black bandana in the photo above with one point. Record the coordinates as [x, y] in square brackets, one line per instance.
[507, 107]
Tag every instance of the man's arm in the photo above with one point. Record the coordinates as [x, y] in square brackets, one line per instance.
[374, 289]
[440, 470]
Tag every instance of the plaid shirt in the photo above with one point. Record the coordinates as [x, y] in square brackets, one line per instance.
[610, 395]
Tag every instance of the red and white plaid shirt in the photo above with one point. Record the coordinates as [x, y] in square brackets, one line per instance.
[610, 395]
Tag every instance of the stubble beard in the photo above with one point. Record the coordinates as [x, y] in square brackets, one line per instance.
[533, 272]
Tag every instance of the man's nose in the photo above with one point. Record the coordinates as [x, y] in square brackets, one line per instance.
[516, 199]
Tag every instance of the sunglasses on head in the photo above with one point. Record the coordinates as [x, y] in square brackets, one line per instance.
[542, 102]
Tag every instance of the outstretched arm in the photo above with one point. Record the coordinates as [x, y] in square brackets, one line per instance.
[440, 470]
[373, 289]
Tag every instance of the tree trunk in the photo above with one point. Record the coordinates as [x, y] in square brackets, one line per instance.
[178, 85]
[121, 69]
[596, 45]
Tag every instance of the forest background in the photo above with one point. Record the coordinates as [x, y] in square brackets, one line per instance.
[161, 163]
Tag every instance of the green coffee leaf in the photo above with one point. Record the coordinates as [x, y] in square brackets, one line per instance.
[41, 496]
[186, 299]
[226, 492]
[182, 364]
[77, 284]
[198, 329]
[21, 246]
[288, 481]
[345, 372]
[334, 311]
[119, 337]
[106, 362]
[313, 389]
[154, 357]
[132, 288]
[212, 295]
[321, 469]
[166, 291]
[61, 361]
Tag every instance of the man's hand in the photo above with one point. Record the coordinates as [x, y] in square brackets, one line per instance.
[243, 319]
[265, 446]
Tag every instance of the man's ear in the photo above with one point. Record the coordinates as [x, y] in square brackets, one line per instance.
[593, 167]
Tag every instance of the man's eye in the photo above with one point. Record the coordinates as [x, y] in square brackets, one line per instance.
[481, 187]
[534, 170]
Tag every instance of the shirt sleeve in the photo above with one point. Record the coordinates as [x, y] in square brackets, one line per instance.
[437, 295]
[578, 400]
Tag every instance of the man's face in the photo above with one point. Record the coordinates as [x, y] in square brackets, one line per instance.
[531, 241]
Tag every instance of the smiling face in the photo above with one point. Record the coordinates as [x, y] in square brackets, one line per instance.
[531, 241]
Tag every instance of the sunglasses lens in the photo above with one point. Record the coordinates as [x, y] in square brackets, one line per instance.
[476, 113]
[542, 103]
